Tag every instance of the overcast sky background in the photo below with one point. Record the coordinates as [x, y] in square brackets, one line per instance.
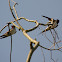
[33, 10]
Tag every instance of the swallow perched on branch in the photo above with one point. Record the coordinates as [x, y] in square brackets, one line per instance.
[51, 21]
[9, 33]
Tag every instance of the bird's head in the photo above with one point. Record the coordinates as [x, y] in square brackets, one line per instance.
[13, 26]
[57, 21]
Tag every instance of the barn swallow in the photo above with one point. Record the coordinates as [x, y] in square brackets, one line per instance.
[9, 33]
[54, 24]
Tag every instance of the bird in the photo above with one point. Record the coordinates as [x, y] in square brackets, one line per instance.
[9, 33]
[51, 24]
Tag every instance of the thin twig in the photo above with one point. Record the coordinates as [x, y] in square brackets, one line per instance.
[11, 42]
[43, 55]
[3, 28]
[56, 34]
[11, 48]
[48, 39]
[9, 34]
[50, 49]
[53, 38]
[15, 9]
[51, 57]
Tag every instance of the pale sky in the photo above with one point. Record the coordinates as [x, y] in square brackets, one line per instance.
[33, 10]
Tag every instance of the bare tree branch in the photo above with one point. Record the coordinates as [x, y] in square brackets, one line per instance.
[32, 41]
[31, 52]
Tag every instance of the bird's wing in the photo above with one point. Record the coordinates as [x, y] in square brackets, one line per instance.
[47, 18]
[48, 28]
[5, 35]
